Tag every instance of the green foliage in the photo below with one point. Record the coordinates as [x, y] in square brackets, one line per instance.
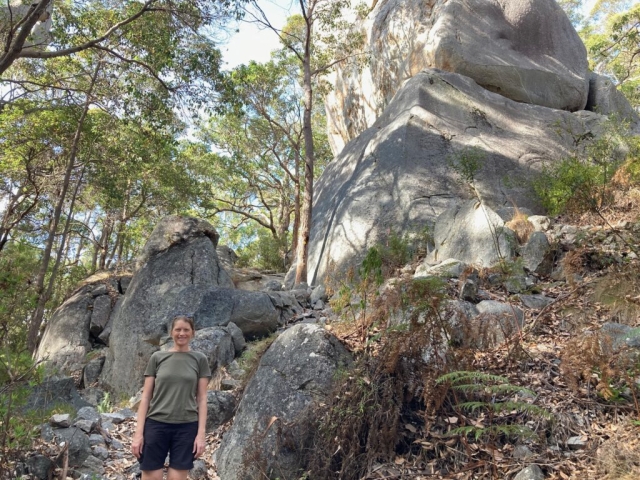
[105, 405]
[264, 252]
[466, 164]
[18, 374]
[488, 396]
[582, 182]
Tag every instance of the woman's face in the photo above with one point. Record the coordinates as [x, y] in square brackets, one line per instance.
[182, 333]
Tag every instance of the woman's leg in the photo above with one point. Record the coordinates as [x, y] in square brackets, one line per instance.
[176, 474]
[152, 474]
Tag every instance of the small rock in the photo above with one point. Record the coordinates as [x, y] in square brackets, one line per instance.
[532, 472]
[46, 432]
[239, 343]
[577, 443]
[319, 305]
[116, 445]
[127, 413]
[273, 286]
[108, 426]
[221, 407]
[469, 290]
[118, 454]
[235, 370]
[61, 420]
[199, 471]
[96, 439]
[92, 466]
[88, 413]
[39, 466]
[99, 290]
[230, 384]
[100, 452]
[540, 222]
[522, 452]
[318, 293]
[85, 425]
[535, 302]
[115, 418]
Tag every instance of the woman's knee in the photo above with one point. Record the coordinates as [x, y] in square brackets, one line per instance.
[177, 474]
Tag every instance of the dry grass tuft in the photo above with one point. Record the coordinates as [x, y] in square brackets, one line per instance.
[522, 227]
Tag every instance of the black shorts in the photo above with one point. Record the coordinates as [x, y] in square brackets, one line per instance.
[176, 439]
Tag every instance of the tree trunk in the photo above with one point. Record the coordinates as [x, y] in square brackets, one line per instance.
[36, 319]
[296, 205]
[305, 220]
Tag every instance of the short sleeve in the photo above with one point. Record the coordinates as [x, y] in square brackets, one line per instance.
[203, 367]
[152, 367]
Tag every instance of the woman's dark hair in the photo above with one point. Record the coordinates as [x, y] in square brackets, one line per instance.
[184, 318]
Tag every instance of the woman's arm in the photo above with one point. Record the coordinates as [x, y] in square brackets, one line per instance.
[138, 436]
[201, 398]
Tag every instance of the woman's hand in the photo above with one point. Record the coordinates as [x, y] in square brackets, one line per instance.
[136, 445]
[198, 445]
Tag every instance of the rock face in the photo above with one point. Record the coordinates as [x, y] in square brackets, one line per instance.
[178, 273]
[605, 98]
[397, 175]
[297, 368]
[525, 50]
[474, 234]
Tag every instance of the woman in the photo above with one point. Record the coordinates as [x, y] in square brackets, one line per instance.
[173, 410]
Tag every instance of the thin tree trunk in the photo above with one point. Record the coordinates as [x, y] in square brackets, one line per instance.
[63, 240]
[296, 208]
[305, 220]
[36, 319]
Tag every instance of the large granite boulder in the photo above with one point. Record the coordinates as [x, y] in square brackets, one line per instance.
[474, 234]
[295, 372]
[65, 342]
[179, 273]
[398, 175]
[525, 50]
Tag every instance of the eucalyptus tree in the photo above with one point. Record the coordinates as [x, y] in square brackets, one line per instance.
[612, 36]
[43, 29]
[318, 38]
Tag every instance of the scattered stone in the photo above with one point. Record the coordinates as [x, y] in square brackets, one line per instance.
[220, 408]
[621, 335]
[532, 472]
[230, 384]
[273, 286]
[46, 432]
[92, 371]
[85, 425]
[468, 291]
[577, 443]
[78, 441]
[100, 452]
[522, 452]
[235, 370]
[318, 293]
[537, 255]
[535, 302]
[99, 290]
[96, 439]
[449, 268]
[92, 466]
[88, 413]
[40, 466]
[115, 418]
[60, 420]
[540, 222]
[116, 445]
[239, 343]
[319, 305]
[199, 471]
[516, 282]
[497, 321]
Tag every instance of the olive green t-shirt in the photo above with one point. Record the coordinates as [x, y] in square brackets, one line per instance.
[176, 385]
